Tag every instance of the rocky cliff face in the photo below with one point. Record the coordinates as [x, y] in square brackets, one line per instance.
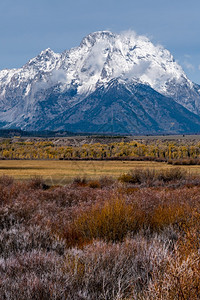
[109, 76]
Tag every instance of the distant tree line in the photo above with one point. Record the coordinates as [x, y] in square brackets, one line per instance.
[134, 150]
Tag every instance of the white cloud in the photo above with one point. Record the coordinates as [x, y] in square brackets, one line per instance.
[189, 66]
[187, 56]
[58, 76]
[138, 70]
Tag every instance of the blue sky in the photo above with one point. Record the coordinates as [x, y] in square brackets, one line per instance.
[29, 26]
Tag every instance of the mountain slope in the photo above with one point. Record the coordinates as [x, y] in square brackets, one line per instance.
[125, 107]
[54, 85]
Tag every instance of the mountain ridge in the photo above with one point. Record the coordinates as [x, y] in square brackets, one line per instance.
[51, 84]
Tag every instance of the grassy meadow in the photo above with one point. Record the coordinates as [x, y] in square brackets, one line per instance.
[63, 172]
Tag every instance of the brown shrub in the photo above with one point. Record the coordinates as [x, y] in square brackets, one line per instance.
[110, 222]
[6, 180]
[37, 182]
[172, 174]
[31, 275]
[150, 246]
[80, 181]
[151, 177]
[138, 176]
[19, 238]
[180, 280]
[106, 181]
[167, 214]
[114, 271]
[94, 184]
[185, 161]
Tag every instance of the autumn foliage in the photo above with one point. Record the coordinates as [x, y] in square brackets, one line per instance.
[101, 239]
[173, 151]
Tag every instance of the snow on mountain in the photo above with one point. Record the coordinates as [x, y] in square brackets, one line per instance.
[102, 56]
[67, 78]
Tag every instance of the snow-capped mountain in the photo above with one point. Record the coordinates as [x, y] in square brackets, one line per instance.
[48, 91]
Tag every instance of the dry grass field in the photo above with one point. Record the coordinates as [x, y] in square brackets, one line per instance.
[62, 172]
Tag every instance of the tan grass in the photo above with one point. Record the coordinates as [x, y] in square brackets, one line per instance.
[62, 172]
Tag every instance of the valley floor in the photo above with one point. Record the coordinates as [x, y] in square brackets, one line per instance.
[113, 221]
[63, 172]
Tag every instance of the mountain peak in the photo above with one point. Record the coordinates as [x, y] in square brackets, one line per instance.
[104, 55]
[45, 60]
[44, 54]
[53, 83]
[94, 37]
[47, 51]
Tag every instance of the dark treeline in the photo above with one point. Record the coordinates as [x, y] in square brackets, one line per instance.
[7, 133]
